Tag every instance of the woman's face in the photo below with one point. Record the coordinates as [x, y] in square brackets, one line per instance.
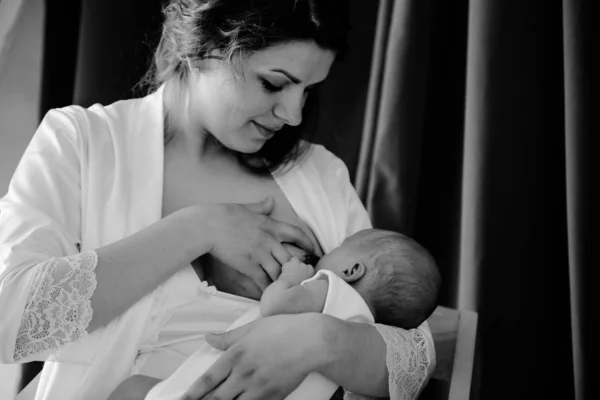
[243, 111]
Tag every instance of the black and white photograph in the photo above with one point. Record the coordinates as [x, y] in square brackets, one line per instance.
[297, 199]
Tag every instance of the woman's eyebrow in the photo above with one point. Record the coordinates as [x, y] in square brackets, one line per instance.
[294, 79]
[290, 76]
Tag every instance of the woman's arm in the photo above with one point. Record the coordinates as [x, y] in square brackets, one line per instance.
[231, 232]
[269, 358]
[355, 356]
[151, 255]
[70, 296]
[394, 362]
[51, 295]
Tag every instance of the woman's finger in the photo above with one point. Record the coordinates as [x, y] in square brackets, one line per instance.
[223, 341]
[210, 380]
[227, 390]
[251, 396]
[270, 265]
[281, 253]
[258, 275]
[292, 234]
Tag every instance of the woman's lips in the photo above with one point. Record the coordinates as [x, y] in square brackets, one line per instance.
[264, 131]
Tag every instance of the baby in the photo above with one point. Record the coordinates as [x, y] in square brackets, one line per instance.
[375, 275]
[396, 277]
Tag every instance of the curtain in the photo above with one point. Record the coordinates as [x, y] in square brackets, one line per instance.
[10, 10]
[578, 145]
[476, 142]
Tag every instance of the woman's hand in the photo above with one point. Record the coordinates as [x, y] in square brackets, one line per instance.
[270, 357]
[266, 359]
[246, 238]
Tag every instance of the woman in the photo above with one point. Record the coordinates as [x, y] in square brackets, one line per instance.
[110, 205]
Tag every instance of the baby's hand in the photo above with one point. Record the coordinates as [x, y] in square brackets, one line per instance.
[296, 271]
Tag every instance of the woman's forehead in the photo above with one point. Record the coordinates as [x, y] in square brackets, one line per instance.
[305, 62]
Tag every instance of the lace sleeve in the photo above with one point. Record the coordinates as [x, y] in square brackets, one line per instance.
[58, 308]
[408, 361]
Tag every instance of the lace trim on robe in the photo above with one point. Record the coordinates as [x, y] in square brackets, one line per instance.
[407, 361]
[58, 309]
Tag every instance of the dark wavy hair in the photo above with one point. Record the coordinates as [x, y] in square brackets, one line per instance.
[193, 29]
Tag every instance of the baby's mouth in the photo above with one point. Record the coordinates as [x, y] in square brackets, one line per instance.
[310, 259]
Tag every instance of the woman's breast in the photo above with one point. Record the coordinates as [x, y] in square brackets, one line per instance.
[188, 183]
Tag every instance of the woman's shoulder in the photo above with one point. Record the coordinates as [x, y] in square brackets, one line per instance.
[323, 166]
[323, 159]
[327, 172]
[122, 110]
[80, 123]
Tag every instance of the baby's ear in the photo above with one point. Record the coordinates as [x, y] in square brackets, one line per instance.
[354, 273]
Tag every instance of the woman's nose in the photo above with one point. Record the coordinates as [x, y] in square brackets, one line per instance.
[289, 109]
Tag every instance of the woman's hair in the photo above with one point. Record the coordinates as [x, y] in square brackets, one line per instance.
[193, 29]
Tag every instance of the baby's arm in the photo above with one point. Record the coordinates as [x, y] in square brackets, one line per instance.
[136, 387]
[287, 296]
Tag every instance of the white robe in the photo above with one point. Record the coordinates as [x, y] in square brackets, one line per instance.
[93, 176]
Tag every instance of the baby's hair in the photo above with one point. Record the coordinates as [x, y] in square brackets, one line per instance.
[405, 281]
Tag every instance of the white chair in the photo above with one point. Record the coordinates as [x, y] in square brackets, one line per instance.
[454, 336]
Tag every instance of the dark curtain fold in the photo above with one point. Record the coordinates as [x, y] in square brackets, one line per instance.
[578, 148]
[115, 48]
[61, 38]
[396, 103]
[491, 172]
[513, 265]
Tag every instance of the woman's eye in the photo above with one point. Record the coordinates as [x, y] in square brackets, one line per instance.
[269, 87]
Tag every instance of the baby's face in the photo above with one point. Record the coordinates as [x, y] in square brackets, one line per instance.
[342, 257]
[353, 250]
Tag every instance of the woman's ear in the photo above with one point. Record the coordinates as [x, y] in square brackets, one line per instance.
[354, 273]
[193, 66]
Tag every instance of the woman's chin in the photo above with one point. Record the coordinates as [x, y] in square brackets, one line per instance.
[250, 146]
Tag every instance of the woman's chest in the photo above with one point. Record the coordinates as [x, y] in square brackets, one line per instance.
[187, 182]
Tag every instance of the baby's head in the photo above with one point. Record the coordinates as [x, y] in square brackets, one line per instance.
[396, 276]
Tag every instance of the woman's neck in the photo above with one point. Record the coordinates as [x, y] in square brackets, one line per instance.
[179, 130]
